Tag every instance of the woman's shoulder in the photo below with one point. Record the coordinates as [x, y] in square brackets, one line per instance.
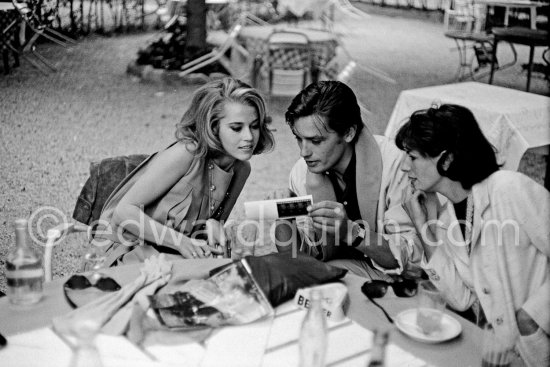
[178, 157]
[504, 180]
[511, 185]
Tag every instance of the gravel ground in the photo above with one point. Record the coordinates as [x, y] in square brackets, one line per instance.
[51, 127]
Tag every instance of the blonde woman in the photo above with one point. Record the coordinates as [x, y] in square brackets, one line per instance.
[175, 200]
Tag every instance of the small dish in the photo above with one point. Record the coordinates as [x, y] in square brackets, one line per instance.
[406, 323]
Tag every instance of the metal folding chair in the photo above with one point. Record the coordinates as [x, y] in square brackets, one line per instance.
[289, 62]
[218, 53]
[28, 13]
[342, 68]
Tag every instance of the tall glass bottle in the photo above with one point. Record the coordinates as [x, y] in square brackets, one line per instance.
[313, 335]
[24, 271]
[378, 352]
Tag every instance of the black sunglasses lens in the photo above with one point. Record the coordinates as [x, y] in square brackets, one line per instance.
[405, 288]
[107, 284]
[78, 282]
[375, 289]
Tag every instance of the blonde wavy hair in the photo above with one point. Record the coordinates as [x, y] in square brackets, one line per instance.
[198, 127]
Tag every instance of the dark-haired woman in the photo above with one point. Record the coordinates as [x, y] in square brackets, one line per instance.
[490, 243]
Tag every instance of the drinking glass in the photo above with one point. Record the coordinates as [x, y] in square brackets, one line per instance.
[496, 352]
[93, 260]
[431, 305]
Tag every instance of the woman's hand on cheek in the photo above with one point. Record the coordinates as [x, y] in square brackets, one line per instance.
[415, 207]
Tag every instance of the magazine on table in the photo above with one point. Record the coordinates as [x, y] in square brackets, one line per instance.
[230, 296]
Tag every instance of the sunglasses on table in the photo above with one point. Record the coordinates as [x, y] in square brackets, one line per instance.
[378, 289]
[79, 290]
[105, 284]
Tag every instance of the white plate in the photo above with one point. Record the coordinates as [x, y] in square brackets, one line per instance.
[406, 323]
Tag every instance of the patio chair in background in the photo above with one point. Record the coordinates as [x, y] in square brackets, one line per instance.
[459, 15]
[223, 42]
[465, 24]
[342, 68]
[289, 62]
[27, 12]
[346, 7]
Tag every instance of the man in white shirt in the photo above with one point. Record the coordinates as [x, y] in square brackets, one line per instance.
[357, 221]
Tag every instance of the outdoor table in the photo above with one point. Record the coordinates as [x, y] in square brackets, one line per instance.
[523, 36]
[464, 350]
[515, 4]
[513, 121]
[254, 38]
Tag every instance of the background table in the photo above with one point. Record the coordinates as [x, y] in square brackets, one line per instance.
[513, 121]
[465, 350]
[515, 4]
[254, 38]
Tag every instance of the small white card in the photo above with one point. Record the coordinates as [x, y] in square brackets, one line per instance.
[334, 295]
[277, 209]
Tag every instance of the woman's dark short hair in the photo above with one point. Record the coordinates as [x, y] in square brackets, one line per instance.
[454, 130]
[199, 125]
[332, 103]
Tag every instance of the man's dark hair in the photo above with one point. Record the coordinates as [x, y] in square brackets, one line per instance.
[454, 130]
[331, 102]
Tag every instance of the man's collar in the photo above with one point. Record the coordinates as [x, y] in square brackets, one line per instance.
[368, 177]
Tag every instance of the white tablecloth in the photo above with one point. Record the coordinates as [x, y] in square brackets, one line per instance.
[512, 120]
[269, 342]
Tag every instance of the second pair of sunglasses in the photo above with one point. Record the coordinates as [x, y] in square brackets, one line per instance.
[379, 288]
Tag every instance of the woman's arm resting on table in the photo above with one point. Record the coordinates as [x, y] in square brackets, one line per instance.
[165, 170]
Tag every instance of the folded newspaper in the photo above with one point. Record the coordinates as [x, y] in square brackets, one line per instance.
[230, 296]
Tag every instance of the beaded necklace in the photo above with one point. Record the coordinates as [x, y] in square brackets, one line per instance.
[211, 188]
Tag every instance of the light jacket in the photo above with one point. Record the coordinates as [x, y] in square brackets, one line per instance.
[508, 266]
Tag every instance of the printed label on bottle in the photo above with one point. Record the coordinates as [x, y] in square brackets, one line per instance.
[24, 273]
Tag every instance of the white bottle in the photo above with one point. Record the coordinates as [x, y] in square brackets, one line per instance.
[24, 271]
[313, 335]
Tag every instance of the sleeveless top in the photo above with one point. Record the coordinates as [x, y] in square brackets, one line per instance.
[185, 205]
